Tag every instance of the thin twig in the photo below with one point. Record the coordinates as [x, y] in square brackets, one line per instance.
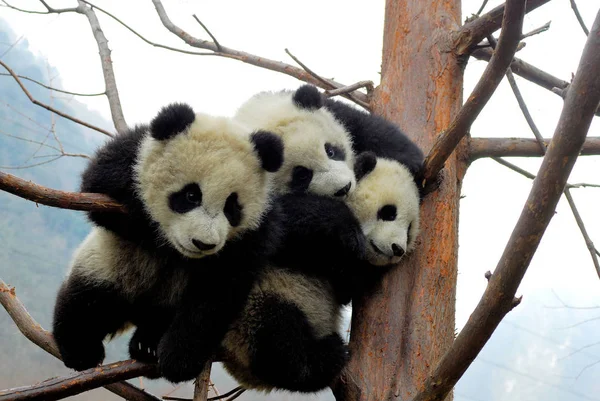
[537, 31]
[49, 10]
[368, 85]
[47, 107]
[586, 237]
[499, 296]
[62, 199]
[35, 333]
[489, 81]
[578, 16]
[478, 13]
[252, 59]
[54, 89]
[218, 397]
[209, 33]
[154, 44]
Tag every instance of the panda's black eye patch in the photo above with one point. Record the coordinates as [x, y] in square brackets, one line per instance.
[233, 210]
[335, 152]
[387, 213]
[186, 199]
[408, 232]
[301, 178]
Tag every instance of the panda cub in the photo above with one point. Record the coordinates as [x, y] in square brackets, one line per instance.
[287, 336]
[197, 189]
[318, 149]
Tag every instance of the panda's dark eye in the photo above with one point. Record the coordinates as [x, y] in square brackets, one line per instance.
[187, 198]
[387, 213]
[233, 210]
[334, 152]
[301, 178]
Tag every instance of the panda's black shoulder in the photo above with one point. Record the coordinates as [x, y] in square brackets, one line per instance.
[376, 134]
[111, 172]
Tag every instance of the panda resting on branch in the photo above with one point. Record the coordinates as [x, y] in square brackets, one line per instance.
[180, 264]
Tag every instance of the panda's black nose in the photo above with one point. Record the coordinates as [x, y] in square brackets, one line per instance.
[398, 250]
[202, 246]
[344, 191]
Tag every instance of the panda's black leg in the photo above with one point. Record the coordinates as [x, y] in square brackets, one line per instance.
[84, 314]
[286, 354]
[143, 345]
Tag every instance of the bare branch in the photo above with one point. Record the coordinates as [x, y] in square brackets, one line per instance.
[368, 85]
[521, 147]
[578, 16]
[236, 392]
[54, 89]
[37, 335]
[49, 10]
[489, 81]
[248, 58]
[78, 382]
[112, 92]
[49, 108]
[478, 13]
[498, 298]
[475, 30]
[524, 109]
[202, 384]
[61, 199]
[537, 31]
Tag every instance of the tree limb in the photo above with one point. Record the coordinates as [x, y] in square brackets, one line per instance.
[55, 198]
[50, 108]
[521, 147]
[112, 92]
[578, 16]
[222, 51]
[498, 298]
[475, 30]
[78, 382]
[489, 81]
[37, 335]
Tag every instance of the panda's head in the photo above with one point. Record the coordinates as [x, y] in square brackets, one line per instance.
[203, 179]
[386, 203]
[318, 149]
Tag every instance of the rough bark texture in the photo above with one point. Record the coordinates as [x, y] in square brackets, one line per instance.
[400, 333]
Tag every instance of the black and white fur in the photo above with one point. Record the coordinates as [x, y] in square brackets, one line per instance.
[318, 149]
[287, 336]
[180, 264]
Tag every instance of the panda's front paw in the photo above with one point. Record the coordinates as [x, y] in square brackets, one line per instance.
[177, 364]
[142, 347]
[82, 355]
[354, 242]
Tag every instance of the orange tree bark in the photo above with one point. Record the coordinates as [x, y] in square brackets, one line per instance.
[400, 333]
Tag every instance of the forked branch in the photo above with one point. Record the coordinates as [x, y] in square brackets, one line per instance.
[498, 298]
[222, 51]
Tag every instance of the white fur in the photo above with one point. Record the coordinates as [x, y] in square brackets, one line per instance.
[215, 153]
[304, 133]
[390, 183]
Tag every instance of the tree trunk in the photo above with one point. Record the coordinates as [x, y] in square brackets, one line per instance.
[400, 333]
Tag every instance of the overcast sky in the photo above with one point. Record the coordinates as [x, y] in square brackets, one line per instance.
[342, 39]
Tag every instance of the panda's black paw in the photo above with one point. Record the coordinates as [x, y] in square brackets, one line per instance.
[177, 364]
[82, 355]
[142, 347]
[353, 241]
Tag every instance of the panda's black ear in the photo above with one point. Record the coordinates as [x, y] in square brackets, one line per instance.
[172, 120]
[364, 164]
[308, 97]
[269, 148]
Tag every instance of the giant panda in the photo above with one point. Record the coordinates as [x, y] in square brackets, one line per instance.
[318, 148]
[179, 265]
[287, 335]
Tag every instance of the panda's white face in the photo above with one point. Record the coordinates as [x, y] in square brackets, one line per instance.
[203, 187]
[386, 202]
[318, 155]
